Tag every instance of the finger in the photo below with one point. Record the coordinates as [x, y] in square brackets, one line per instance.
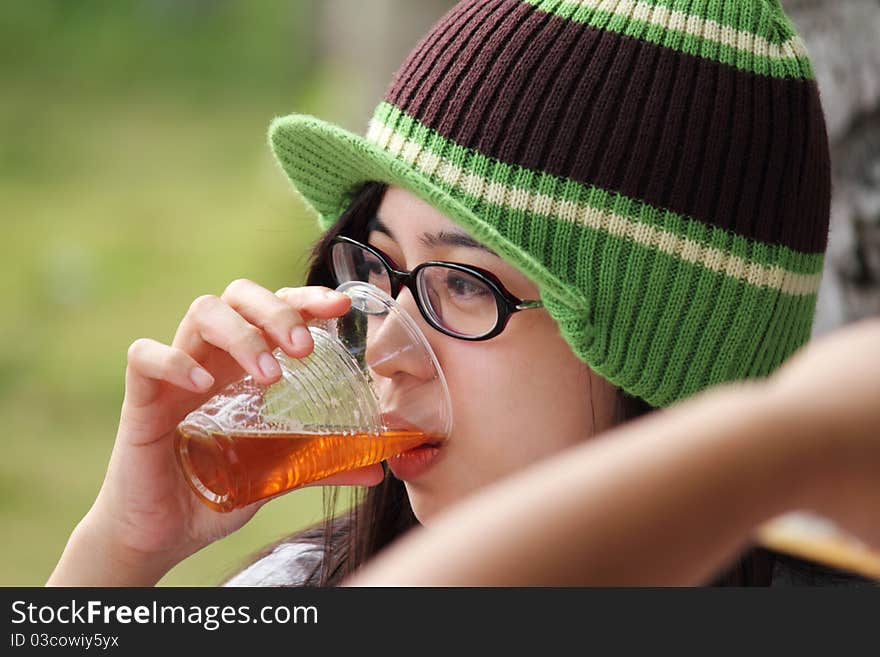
[314, 302]
[151, 362]
[279, 319]
[210, 322]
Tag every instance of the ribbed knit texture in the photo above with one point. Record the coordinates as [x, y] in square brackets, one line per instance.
[659, 167]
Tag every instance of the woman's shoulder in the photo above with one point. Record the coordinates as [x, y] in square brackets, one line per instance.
[287, 564]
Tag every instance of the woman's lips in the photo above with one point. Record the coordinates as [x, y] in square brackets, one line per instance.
[416, 461]
[413, 463]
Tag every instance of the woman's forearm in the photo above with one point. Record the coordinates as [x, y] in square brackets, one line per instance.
[667, 500]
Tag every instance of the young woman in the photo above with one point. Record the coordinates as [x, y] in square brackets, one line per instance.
[639, 198]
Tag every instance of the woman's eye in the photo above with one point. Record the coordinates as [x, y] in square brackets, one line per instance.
[465, 287]
[369, 268]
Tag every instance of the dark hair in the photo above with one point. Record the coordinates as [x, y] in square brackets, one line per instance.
[377, 515]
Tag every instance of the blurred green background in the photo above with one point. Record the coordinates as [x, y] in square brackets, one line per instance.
[135, 176]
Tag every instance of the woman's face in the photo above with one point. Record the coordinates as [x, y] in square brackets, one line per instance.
[516, 398]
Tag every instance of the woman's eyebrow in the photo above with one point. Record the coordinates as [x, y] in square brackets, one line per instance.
[376, 224]
[433, 240]
[453, 238]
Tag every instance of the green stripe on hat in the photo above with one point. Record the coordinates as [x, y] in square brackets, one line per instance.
[658, 325]
[515, 190]
[751, 35]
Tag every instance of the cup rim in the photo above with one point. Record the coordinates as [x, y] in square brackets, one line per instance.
[415, 333]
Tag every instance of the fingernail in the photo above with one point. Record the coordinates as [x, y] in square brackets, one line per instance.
[201, 378]
[268, 365]
[333, 295]
[301, 338]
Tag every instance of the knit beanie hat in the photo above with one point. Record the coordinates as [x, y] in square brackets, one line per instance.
[660, 168]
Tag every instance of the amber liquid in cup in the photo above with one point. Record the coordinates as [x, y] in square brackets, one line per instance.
[231, 470]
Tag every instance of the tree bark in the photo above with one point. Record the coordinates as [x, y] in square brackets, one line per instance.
[844, 46]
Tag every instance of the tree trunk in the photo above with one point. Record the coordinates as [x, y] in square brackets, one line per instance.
[844, 46]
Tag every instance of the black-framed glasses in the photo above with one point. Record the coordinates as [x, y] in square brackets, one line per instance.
[458, 300]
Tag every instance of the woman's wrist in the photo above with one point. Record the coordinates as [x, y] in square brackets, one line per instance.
[92, 557]
[839, 452]
[819, 445]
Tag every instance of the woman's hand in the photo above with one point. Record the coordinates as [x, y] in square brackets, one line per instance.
[830, 391]
[145, 518]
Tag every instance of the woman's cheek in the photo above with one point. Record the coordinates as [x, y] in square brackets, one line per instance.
[480, 395]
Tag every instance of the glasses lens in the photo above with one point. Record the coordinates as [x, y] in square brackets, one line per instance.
[458, 301]
[354, 263]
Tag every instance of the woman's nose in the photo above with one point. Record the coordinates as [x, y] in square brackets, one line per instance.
[397, 343]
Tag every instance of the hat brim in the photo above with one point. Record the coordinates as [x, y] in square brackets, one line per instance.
[328, 164]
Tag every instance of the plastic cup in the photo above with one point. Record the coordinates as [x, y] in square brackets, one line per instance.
[372, 388]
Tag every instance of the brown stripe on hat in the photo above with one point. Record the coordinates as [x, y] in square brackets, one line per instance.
[703, 139]
[410, 76]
